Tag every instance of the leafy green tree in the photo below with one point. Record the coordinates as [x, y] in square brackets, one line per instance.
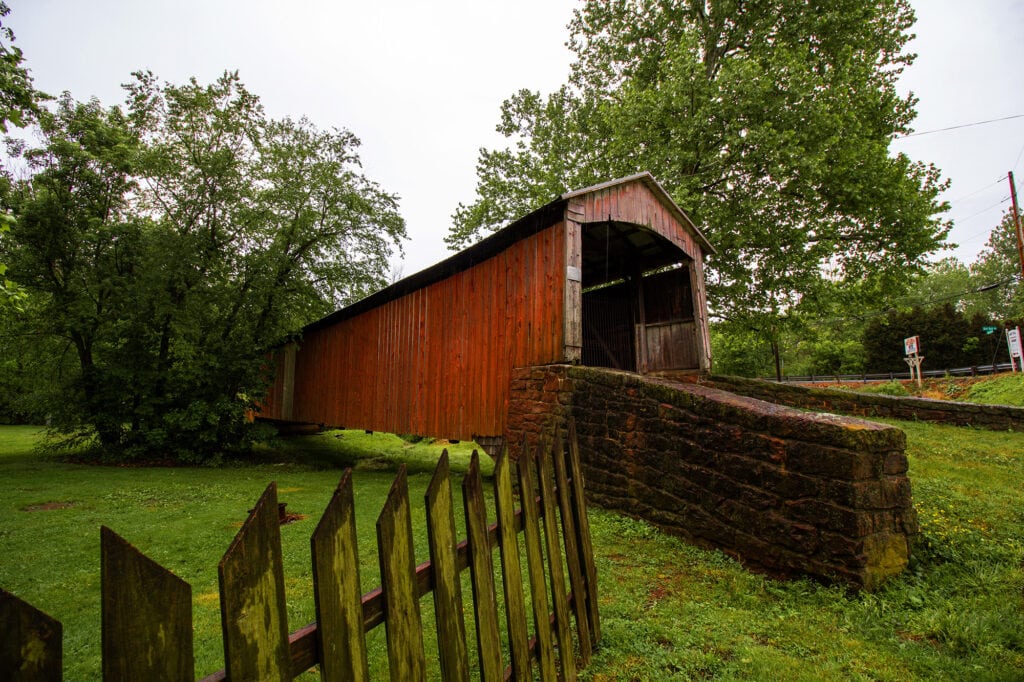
[175, 243]
[73, 245]
[18, 107]
[834, 356]
[29, 362]
[998, 266]
[769, 122]
[945, 281]
[738, 352]
[19, 100]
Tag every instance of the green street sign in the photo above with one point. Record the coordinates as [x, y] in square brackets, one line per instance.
[989, 330]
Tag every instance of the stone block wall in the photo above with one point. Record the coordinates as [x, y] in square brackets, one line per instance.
[992, 417]
[786, 491]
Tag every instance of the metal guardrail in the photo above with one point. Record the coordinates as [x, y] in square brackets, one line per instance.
[976, 370]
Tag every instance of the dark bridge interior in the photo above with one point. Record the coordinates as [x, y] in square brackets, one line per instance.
[638, 300]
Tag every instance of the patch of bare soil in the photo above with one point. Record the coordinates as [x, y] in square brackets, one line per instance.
[48, 506]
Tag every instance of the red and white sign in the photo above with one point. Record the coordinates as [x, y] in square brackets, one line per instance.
[912, 345]
[1013, 341]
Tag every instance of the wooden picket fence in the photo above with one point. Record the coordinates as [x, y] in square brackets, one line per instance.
[147, 611]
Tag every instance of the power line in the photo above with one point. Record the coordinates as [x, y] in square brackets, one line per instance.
[987, 208]
[957, 127]
[977, 235]
[998, 181]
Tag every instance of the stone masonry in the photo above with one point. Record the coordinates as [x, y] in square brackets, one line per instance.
[786, 491]
[992, 417]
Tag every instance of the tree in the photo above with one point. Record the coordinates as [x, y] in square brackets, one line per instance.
[998, 267]
[73, 245]
[738, 352]
[18, 106]
[176, 243]
[944, 281]
[948, 338]
[19, 100]
[769, 122]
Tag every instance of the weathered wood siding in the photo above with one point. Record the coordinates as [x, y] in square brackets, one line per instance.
[433, 354]
[438, 360]
[700, 313]
[278, 403]
[635, 203]
[672, 345]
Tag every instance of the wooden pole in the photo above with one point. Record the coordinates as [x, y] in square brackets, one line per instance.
[1016, 222]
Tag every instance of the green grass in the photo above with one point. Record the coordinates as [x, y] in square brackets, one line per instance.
[669, 610]
[1007, 389]
[184, 518]
[672, 611]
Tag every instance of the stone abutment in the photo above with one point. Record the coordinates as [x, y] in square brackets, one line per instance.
[786, 491]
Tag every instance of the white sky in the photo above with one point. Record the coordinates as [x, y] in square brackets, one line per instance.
[421, 82]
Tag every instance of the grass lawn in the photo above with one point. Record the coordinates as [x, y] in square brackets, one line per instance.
[1007, 389]
[669, 611]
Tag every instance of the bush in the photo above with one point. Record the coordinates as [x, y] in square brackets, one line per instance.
[888, 388]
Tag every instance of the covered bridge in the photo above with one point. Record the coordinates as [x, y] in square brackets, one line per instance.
[607, 276]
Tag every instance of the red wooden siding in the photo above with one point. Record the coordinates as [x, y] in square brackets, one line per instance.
[438, 360]
[273, 404]
[434, 353]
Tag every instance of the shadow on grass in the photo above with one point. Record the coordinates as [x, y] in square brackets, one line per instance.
[325, 451]
[339, 449]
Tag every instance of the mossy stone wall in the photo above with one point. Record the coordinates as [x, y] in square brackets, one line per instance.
[992, 417]
[787, 491]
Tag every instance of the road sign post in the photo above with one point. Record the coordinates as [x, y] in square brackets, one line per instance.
[911, 346]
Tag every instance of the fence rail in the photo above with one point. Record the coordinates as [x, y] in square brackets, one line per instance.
[147, 611]
[975, 370]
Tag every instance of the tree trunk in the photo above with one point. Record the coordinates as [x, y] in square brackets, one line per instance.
[778, 362]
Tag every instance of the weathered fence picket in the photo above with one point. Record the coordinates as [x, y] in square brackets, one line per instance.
[398, 580]
[482, 575]
[535, 565]
[146, 614]
[147, 611]
[451, 626]
[585, 545]
[254, 617]
[511, 570]
[572, 557]
[336, 584]
[30, 648]
[563, 630]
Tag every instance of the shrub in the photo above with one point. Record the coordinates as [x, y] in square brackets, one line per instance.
[888, 388]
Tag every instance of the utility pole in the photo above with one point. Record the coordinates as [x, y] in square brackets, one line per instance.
[1016, 223]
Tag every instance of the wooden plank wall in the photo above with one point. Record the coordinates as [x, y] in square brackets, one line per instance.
[573, 301]
[700, 313]
[438, 361]
[672, 345]
[635, 203]
[271, 406]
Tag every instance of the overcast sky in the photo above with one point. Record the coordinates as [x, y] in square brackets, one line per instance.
[421, 82]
